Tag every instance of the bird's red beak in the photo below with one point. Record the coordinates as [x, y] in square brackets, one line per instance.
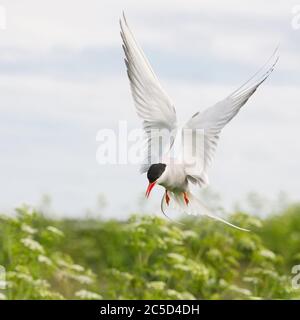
[150, 187]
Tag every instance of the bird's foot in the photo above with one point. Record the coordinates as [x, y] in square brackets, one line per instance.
[186, 199]
[167, 198]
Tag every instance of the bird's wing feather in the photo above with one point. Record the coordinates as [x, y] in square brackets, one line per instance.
[152, 103]
[201, 132]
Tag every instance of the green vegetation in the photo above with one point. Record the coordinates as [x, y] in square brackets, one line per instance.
[149, 258]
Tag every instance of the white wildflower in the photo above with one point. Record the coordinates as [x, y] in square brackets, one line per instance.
[63, 263]
[255, 298]
[198, 269]
[23, 276]
[242, 291]
[251, 280]
[55, 231]
[2, 296]
[88, 295]
[173, 241]
[83, 279]
[271, 273]
[125, 275]
[47, 294]
[42, 283]
[187, 296]
[156, 285]
[182, 267]
[32, 245]
[189, 234]
[45, 260]
[176, 256]
[267, 254]
[3, 284]
[77, 267]
[164, 229]
[28, 229]
[174, 294]
[140, 230]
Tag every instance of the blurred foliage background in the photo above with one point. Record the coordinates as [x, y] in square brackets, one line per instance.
[148, 257]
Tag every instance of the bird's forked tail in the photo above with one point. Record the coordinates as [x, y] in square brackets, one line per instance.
[177, 202]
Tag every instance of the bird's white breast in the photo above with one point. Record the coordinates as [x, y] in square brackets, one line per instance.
[174, 178]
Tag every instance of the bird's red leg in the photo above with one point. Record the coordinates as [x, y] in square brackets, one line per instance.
[167, 198]
[186, 199]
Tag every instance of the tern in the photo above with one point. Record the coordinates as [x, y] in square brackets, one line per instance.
[176, 173]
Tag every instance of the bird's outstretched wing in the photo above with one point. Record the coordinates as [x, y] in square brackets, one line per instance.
[201, 132]
[152, 103]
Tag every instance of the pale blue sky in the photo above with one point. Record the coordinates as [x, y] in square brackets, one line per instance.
[62, 79]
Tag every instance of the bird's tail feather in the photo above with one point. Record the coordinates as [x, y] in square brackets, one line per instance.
[194, 207]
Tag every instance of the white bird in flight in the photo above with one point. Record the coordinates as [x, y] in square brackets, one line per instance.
[197, 139]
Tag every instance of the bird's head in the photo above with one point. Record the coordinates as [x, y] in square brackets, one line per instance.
[153, 174]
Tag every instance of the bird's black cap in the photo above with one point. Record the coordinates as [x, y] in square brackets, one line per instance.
[155, 171]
